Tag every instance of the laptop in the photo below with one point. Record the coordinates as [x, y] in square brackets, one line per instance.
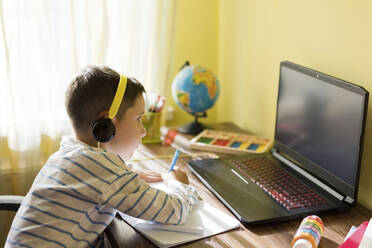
[314, 164]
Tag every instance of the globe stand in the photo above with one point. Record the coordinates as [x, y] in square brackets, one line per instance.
[194, 127]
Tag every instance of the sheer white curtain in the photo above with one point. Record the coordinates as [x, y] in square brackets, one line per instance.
[44, 43]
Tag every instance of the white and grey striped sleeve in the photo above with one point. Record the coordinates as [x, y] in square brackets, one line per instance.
[135, 197]
[124, 191]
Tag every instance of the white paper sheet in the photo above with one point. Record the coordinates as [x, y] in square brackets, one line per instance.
[211, 219]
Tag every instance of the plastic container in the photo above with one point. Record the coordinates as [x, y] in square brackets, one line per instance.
[151, 122]
[309, 233]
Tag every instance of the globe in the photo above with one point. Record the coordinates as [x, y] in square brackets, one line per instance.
[195, 89]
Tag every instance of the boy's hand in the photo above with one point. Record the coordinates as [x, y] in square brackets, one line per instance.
[176, 174]
[149, 176]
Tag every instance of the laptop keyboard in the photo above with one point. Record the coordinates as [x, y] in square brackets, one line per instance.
[278, 183]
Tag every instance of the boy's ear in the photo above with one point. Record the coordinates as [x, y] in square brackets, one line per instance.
[103, 114]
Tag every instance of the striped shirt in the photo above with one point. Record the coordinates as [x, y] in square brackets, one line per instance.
[77, 193]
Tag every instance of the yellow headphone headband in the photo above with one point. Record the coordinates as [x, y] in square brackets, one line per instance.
[118, 97]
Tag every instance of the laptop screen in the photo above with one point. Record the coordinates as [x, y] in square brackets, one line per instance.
[321, 119]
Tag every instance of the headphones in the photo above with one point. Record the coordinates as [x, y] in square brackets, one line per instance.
[103, 128]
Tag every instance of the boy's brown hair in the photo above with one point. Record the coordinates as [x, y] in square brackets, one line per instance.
[92, 91]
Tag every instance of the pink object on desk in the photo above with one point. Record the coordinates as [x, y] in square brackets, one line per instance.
[367, 237]
[354, 240]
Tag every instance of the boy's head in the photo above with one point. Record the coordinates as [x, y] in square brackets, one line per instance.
[89, 97]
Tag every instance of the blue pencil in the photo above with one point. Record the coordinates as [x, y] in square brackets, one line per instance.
[174, 160]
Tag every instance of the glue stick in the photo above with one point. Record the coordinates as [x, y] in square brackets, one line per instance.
[309, 233]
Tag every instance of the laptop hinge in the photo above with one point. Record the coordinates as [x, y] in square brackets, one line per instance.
[348, 199]
[304, 173]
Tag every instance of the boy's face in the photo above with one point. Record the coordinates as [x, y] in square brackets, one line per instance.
[129, 131]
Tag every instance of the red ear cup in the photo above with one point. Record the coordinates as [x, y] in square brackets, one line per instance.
[103, 130]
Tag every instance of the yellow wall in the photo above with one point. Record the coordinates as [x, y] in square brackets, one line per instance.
[196, 40]
[243, 41]
[334, 37]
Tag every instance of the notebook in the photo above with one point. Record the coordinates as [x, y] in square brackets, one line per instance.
[314, 164]
[204, 217]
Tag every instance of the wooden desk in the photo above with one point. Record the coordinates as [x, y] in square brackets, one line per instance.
[122, 235]
[277, 235]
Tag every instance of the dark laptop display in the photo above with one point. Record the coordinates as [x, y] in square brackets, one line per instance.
[315, 162]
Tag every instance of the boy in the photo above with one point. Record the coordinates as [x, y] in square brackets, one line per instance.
[78, 191]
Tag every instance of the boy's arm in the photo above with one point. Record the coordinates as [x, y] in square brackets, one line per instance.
[133, 196]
